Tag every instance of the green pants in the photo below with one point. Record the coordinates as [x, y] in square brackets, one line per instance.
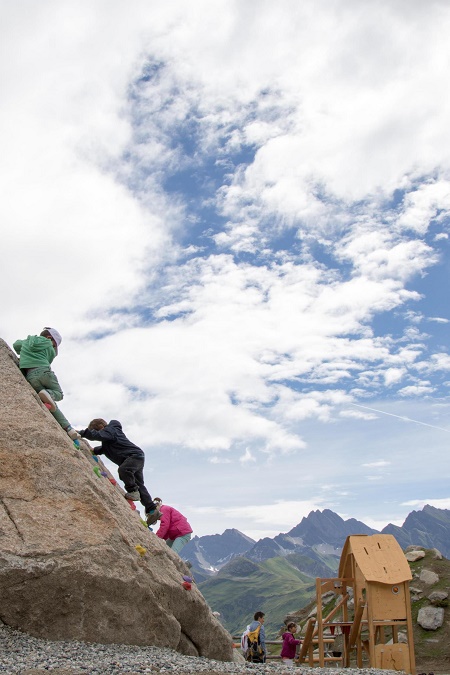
[178, 543]
[45, 378]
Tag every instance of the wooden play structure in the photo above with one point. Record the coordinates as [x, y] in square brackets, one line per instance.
[375, 575]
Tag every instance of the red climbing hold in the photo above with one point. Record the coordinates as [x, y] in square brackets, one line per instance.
[187, 585]
[132, 504]
[113, 481]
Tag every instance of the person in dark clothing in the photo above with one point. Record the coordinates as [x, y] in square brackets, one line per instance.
[129, 458]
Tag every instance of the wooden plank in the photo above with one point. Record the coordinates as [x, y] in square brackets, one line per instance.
[307, 640]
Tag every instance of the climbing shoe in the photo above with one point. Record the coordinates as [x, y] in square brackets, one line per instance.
[133, 496]
[73, 434]
[153, 516]
[46, 398]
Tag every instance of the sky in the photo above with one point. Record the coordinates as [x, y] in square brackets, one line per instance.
[237, 215]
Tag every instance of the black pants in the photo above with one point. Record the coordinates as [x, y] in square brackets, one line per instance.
[131, 472]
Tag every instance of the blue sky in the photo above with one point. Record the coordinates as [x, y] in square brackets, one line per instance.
[240, 225]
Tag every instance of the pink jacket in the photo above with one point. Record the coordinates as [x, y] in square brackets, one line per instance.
[173, 524]
[289, 646]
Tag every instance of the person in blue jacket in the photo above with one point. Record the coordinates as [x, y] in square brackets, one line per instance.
[129, 458]
[258, 620]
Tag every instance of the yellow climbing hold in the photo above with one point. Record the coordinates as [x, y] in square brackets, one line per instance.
[140, 549]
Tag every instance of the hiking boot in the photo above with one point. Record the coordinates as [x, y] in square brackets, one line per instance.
[133, 496]
[153, 516]
[47, 399]
[73, 434]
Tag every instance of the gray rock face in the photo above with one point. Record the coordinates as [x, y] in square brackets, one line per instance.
[428, 577]
[438, 598]
[436, 554]
[430, 618]
[69, 567]
[412, 556]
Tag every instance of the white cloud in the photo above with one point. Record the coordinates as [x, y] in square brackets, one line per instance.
[378, 464]
[215, 459]
[443, 503]
[416, 390]
[393, 375]
[247, 457]
[428, 202]
[357, 414]
[230, 238]
[381, 524]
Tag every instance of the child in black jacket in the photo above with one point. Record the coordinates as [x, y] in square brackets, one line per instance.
[129, 458]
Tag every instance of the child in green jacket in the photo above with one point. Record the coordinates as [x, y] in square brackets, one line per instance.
[35, 356]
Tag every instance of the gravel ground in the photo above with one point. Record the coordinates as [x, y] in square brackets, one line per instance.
[21, 654]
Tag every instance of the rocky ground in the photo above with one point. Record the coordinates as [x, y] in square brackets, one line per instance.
[21, 654]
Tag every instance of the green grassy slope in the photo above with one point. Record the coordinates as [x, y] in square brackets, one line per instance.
[242, 587]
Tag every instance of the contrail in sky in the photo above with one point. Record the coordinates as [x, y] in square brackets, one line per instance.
[406, 419]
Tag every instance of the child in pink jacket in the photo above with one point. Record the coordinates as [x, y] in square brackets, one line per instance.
[289, 645]
[174, 528]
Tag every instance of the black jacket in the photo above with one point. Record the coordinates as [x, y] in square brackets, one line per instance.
[114, 444]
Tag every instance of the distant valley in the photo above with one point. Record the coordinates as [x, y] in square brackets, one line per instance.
[238, 575]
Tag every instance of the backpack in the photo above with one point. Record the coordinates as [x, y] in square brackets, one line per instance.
[244, 639]
[253, 651]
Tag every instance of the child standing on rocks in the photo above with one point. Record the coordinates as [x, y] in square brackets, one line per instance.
[129, 458]
[36, 353]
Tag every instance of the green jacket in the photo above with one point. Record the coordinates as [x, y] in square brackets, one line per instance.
[34, 352]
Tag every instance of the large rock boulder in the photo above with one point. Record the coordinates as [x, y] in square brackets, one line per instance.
[429, 577]
[69, 567]
[414, 555]
[430, 618]
[439, 598]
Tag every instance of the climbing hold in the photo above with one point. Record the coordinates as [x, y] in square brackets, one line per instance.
[77, 443]
[95, 458]
[96, 471]
[113, 481]
[104, 474]
[132, 504]
[186, 578]
[140, 549]
[186, 585]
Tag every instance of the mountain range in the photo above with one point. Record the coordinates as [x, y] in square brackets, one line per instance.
[319, 536]
[238, 575]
